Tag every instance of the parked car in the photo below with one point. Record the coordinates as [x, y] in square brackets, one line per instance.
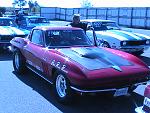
[66, 58]
[9, 30]
[29, 22]
[114, 37]
[10, 16]
[144, 90]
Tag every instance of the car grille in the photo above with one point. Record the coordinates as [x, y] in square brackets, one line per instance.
[7, 38]
[135, 43]
[132, 43]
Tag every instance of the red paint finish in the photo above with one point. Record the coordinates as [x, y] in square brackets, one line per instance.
[147, 91]
[127, 56]
[48, 59]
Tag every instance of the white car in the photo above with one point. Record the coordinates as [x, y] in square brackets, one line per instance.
[114, 37]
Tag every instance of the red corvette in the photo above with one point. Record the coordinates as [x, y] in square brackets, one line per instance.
[67, 59]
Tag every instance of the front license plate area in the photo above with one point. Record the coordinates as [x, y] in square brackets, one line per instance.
[120, 92]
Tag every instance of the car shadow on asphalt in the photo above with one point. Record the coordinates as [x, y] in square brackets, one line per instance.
[100, 103]
[5, 56]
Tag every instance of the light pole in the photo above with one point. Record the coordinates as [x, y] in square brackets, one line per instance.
[13, 4]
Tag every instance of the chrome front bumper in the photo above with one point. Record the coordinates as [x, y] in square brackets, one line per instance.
[103, 90]
[134, 48]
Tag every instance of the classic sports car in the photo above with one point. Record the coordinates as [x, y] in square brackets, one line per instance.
[65, 57]
[114, 37]
[9, 30]
[29, 22]
[144, 90]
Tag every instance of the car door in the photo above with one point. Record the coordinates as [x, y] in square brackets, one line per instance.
[35, 50]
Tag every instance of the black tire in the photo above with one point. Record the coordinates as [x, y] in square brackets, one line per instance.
[105, 44]
[19, 62]
[61, 83]
[2, 51]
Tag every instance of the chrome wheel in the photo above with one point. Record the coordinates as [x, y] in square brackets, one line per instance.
[61, 86]
[17, 60]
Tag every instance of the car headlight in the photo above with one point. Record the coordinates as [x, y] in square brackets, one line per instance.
[124, 43]
[147, 42]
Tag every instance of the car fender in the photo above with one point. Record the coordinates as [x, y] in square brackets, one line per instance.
[128, 56]
[59, 62]
[113, 42]
[18, 42]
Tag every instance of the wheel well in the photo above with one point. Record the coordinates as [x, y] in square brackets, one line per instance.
[107, 43]
[53, 72]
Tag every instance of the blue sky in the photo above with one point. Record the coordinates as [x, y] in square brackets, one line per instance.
[77, 3]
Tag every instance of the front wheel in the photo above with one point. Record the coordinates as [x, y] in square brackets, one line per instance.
[105, 44]
[19, 62]
[62, 90]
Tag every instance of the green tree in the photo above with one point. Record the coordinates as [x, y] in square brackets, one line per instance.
[33, 6]
[2, 11]
[20, 3]
[86, 3]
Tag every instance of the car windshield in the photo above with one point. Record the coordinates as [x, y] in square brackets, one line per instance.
[98, 26]
[7, 22]
[38, 20]
[67, 38]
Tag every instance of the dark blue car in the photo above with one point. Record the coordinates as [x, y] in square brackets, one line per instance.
[29, 22]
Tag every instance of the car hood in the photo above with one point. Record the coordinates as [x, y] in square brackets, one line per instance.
[39, 24]
[95, 58]
[8, 30]
[123, 35]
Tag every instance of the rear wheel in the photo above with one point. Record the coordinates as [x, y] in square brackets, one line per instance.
[62, 90]
[19, 62]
